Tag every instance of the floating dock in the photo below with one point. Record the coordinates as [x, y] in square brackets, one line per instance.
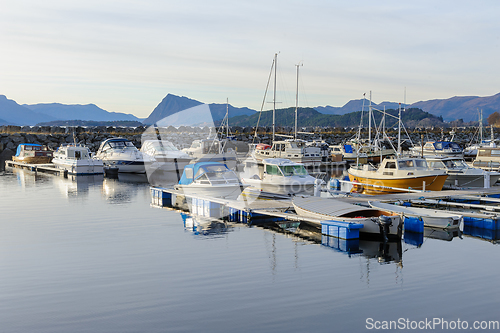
[48, 167]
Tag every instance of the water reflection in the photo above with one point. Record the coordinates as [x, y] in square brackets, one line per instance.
[484, 234]
[122, 189]
[442, 234]
[74, 186]
[201, 226]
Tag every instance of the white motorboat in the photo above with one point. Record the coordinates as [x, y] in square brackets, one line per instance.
[294, 150]
[460, 173]
[76, 159]
[121, 153]
[441, 148]
[374, 220]
[163, 155]
[430, 217]
[210, 179]
[488, 158]
[279, 175]
[211, 150]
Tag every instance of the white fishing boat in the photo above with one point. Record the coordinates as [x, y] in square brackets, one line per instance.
[211, 150]
[430, 217]
[76, 159]
[210, 179]
[279, 175]
[32, 153]
[121, 153]
[439, 148]
[488, 158]
[460, 173]
[163, 155]
[374, 220]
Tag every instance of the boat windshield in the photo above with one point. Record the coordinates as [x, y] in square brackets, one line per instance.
[437, 165]
[214, 172]
[164, 146]
[458, 164]
[293, 170]
[120, 144]
[412, 164]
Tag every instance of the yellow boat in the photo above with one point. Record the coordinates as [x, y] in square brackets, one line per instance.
[396, 175]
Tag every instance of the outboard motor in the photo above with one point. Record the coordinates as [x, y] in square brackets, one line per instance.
[384, 222]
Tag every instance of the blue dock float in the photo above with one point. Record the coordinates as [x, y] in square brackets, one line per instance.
[343, 230]
[413, 224]
[348, 246]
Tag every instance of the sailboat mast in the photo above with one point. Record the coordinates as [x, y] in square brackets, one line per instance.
[296, 102]
[399, 131]
[370, 120]
[227, 118]
[481, 127]
[274, 97]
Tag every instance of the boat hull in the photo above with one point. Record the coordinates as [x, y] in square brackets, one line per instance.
[126, 166]
[32, 159]
[227, 191]
[476, 180]
[324, 210]
[432, 183]
[80, 167]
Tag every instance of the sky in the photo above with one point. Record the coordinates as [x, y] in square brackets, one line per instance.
[126, 55]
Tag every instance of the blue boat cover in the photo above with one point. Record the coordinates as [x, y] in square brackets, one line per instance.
[440, 145]
[18, 152]
[195, 167]
[348, 149]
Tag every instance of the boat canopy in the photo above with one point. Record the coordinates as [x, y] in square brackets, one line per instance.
[442, 145]
[193, 171]
[116, 143]
[19, 147]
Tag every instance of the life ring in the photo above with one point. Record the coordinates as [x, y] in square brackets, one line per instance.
[357, 188]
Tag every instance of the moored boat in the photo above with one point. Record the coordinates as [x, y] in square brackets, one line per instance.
[31, 153]
[374, 220]
[430, 217]
[210, 179]
[281, 176]
[121, 153]
[77, 160]
[460, 173]
[164, 156]
[395, 175]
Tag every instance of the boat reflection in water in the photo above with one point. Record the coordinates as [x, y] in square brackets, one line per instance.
[203, 226]
[123, 188]
[74, 185]
[492, 236]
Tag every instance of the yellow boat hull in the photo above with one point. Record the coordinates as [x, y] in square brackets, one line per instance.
[432, 183]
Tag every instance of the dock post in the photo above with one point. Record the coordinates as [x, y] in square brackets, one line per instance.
[423, 185]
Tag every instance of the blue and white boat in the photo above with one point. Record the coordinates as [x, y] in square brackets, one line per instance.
[440, 148]
[210, 179]
[121, 153]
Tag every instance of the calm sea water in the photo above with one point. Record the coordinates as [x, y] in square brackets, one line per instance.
[92, 255]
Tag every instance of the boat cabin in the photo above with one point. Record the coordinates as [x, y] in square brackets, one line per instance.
[407, 164]
[207, 173]
[72, 152]
[284, 167]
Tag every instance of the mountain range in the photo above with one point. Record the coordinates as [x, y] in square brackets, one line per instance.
[461, 107]
[14, 114]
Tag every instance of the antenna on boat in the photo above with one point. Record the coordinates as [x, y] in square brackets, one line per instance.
[297, 100]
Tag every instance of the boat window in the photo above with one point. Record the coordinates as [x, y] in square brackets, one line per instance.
[459, 164]
[495, 152]
[436, 164]
[272, 170]
[78, 155]
[189, 173]
[421, 164]
[196, 144]
[408, 164]
[454, 145]
[439, 145]
[390, 165]
[293, 170]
